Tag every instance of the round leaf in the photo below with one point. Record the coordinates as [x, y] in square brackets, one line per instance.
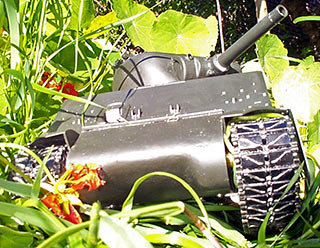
[100, 22]
[175, 32]
[139, 29]
[269, 51]
[298, 88]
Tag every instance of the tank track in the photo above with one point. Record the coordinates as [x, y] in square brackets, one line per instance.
[29, 166]
[266, 158]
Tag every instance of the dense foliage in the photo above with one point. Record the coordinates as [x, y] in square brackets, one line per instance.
[53, 50]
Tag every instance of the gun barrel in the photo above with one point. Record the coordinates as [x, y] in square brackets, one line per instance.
[246, 41]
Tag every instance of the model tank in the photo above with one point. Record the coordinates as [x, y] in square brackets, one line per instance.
[199, 118]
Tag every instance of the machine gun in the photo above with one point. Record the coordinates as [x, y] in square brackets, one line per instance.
[198, 118]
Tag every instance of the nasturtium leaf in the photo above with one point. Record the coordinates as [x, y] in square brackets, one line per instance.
[307, 61]
[100, 22]
[175, 32]
[314, 131]
[140, 28]
[82, 14]
[298, 88]
[46, 105]
[270, 49]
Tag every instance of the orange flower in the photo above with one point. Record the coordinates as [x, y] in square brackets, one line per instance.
[48, 81]
[52, 202]
[83, 176]
[55, 202]
[66, 195]
[68, 89]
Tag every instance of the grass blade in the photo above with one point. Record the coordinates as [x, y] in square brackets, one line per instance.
[29, 215]
[36, 185]
[42, 89]
[16, 188]
[12, 12]
[156, 211]
[63, 234]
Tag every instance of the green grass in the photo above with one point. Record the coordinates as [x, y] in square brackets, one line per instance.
[43, 40]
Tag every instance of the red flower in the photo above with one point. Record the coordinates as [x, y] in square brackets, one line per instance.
[73, 215]
[66, 195]
[52, 202]
[48, 81]
[68, 89]
[84, 176]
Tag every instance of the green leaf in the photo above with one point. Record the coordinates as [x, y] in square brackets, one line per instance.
[314, 131]
[158, 235]
[269, 51]
[139, 29]
[12, 13]
[162, 210]
[171, 32]
[116, 233]
[228, 232]
[176, 238]
[36, 185]
[28, 215]
[92, 238]
[3, 99]
[39, 88]
[64, 234]
[307, 61]
[306, 18]
[16, 239]
[46, 105]
[175, 32]
[100, 22]
[82, 14]
[16, 188]
[297, 88]
[3, 16]
[128, 203]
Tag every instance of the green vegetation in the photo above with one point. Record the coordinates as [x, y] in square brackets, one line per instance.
[52, 50]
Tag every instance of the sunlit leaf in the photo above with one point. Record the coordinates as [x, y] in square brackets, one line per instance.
[12, 13]
[314, 131]
[158, 235]
[3, 99]
[82, 14]
[16, 188]
[270, 49]
[139, 29]
[3, 16]
[101, 21]
[28, 215]
[175, 32]
[298, 88]
[13, 238]
[306, 18]
[115, 233]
